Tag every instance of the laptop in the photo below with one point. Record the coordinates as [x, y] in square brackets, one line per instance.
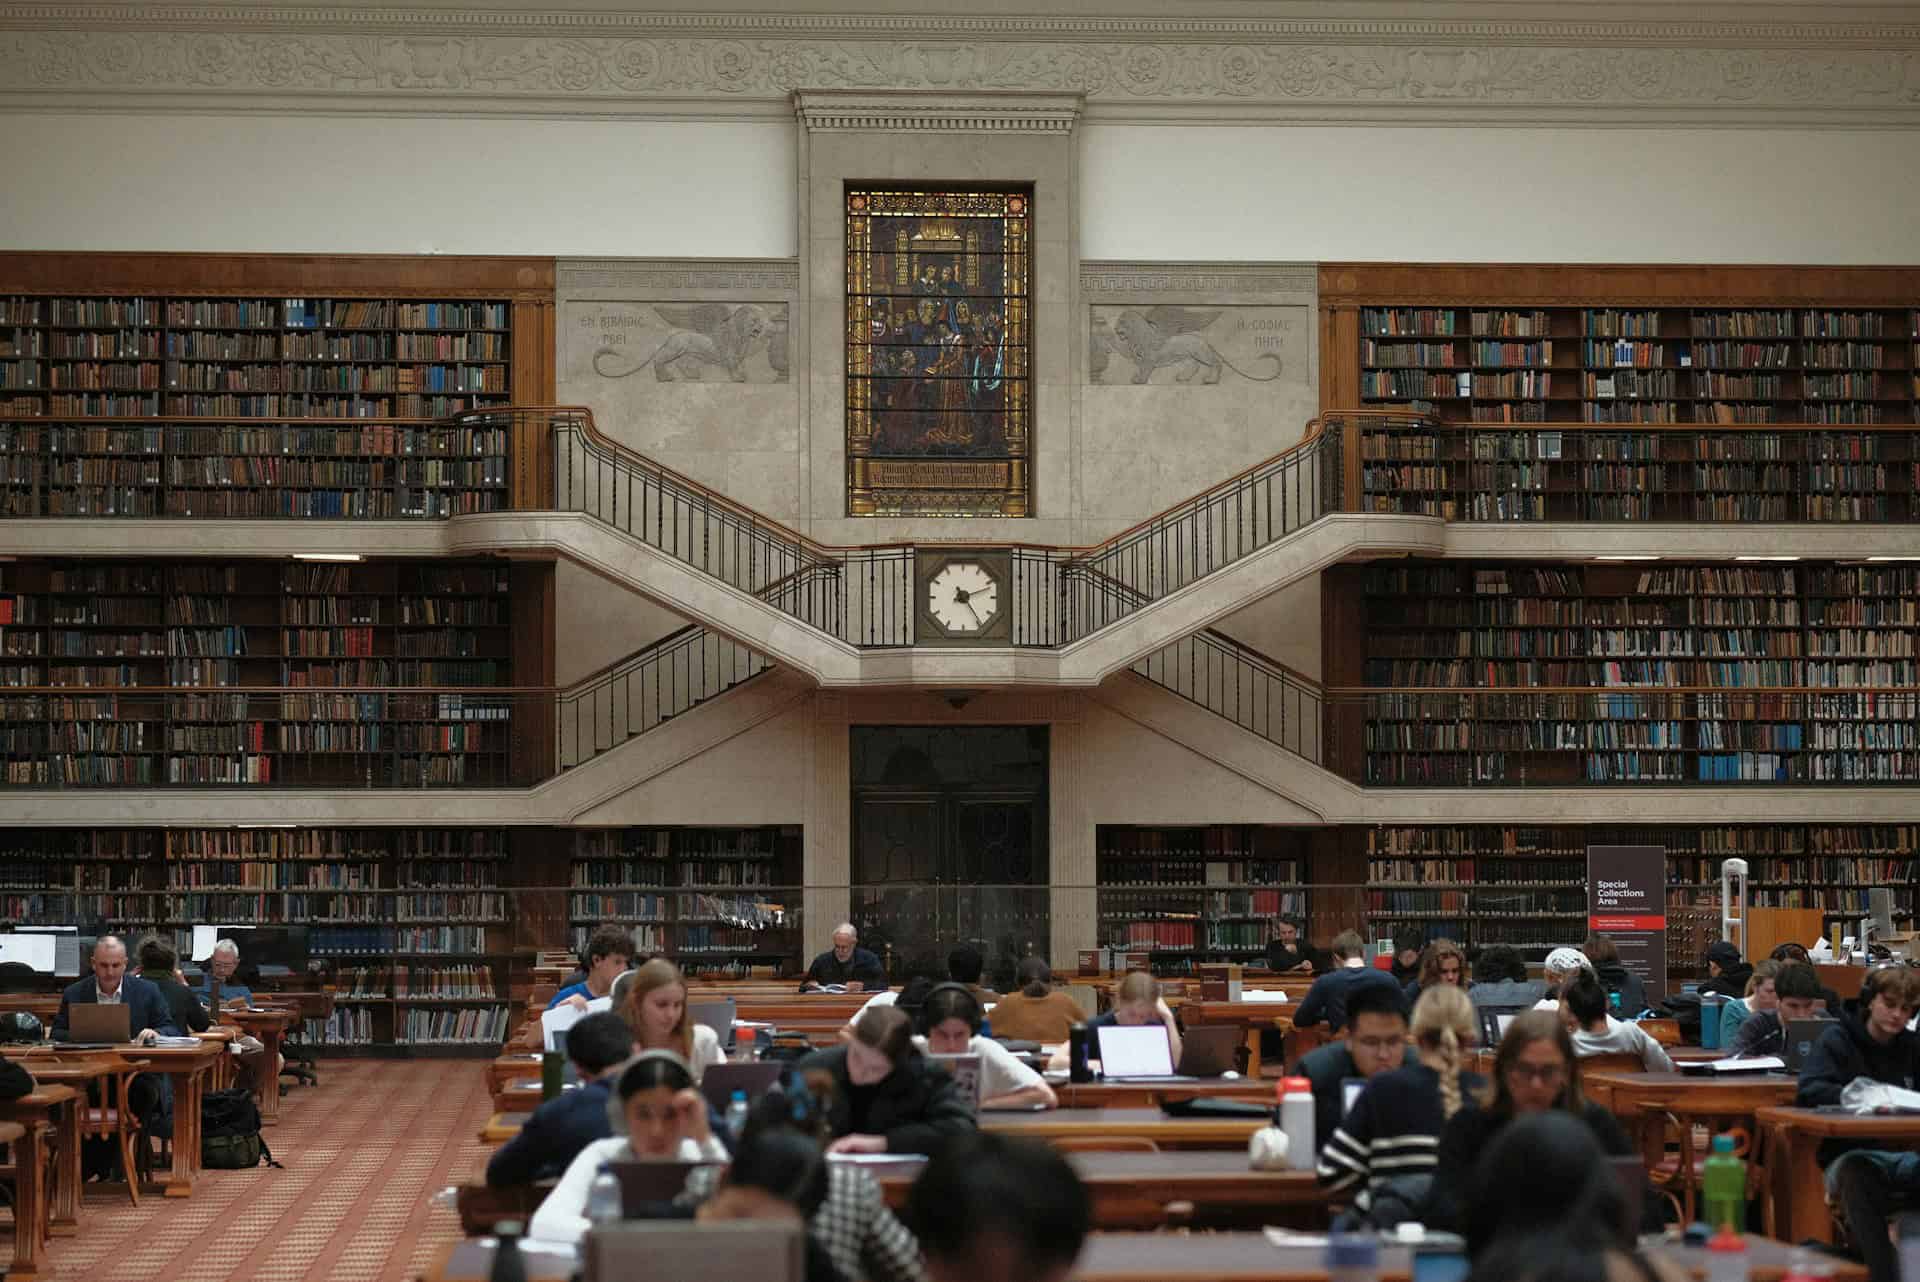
[1494, 1022]
[569, 1071]
[97, 1024]
[1350, 1088]
[1210, 1050]
[1137, 1053]
[715, 1015]
[645, 1185]
[1801, 1035]
[720, 1081]
[966, 1076]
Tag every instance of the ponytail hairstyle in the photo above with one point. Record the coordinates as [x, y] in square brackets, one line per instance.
[1445, 1029]
[1035, 977]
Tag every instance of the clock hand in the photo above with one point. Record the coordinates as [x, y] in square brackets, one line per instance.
[976, 614]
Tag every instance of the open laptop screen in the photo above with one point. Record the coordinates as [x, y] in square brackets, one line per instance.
[1141, 1050]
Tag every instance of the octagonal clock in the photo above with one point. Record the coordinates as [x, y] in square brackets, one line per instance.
[962, 596]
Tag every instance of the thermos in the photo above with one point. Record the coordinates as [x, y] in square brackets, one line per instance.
[508, 1264]
[1296, 1119]
[1077, 1068]
[551, 1064]
[1712, 1010]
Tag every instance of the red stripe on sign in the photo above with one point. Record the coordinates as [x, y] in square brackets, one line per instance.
[1627, 923]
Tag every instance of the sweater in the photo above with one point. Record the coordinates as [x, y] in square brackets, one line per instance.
[1329, 1067]
[1469, 1134]
[563, 1216]
[1391, 1133]
[553, 1135]
[1731, 982]
[1021, 1018]
[1847, 1051]
[1624, 1038]
[916, 1107]
[1761, 1034]
[1327, 999]
[1616, 978]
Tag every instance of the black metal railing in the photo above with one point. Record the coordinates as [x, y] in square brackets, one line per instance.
[647, 689]
[1239, 683]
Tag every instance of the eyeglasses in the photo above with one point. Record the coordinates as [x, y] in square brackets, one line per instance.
[1381, 1045]
[1544, 1074]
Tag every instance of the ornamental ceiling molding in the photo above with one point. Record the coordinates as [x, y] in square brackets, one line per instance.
[1006, 111]
[140, 57]
[639, 277]
[1115, 278]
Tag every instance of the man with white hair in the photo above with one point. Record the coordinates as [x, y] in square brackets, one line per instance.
[220, 973]
[846, 964]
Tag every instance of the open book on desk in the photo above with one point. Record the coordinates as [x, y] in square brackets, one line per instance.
[1743, 1064]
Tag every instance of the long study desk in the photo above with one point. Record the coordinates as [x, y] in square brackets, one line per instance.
[1165, 1257]
[1796, 1183]
[1252, 1018]
[50, 1110]
[1141, 1123]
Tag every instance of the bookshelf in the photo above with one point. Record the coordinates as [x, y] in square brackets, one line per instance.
[262, 385]
[410, 926]
[193, 645]
[1616, 673]
[717, 901]
[1525, 887]
[1189, 894]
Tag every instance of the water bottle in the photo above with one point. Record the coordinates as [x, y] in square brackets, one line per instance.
[1296, 1119]
[1351, 1257]
[737, 1114]
[1712, 1010]
[1078, 1069]
[604, 1204]
[1724, 1184]
[1804, 1265]
[508, 1264]
[1727, 1257]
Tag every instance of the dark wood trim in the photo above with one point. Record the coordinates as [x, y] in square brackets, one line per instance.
[1613, 285]
[297, 275]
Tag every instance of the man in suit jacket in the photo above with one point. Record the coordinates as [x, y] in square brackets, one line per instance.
[599, 1046]
[148, 1016]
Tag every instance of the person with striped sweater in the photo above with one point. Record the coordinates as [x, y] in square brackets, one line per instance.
[1386, 1148]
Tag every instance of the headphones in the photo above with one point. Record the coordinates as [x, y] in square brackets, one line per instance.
[1874, 978]
[950, 986]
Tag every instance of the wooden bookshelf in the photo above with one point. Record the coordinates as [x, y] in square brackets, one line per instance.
[1189, 894]
[717, 901]
[211, 386]
[1510, 673]
[148, 672]
[410, 925]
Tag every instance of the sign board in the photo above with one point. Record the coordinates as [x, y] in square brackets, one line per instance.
[1627, 902]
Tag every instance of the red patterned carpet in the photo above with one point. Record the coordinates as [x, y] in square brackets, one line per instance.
[364, 1151]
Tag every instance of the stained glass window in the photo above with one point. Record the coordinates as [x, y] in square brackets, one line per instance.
[938, 332]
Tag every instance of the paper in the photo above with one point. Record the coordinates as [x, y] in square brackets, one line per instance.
[36, 951]
[1287, 1237]
[877, 1159]
[566, 1015]
[1749, 1064]
[1262, 995]
[176, 1043]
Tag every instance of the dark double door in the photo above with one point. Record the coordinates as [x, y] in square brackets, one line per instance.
[950, 842]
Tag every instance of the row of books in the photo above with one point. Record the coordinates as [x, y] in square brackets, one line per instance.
[346, 405]
[467, 1024]
[1121, 867]
[378, 440]
[253, 313]
[1610, 322]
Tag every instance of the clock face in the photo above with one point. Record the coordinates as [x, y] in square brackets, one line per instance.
[963, 597]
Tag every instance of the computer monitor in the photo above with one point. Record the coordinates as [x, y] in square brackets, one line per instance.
[66, 947]
[274, 952]
[1879, 912]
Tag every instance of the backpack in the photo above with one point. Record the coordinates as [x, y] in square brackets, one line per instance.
[230, 1131]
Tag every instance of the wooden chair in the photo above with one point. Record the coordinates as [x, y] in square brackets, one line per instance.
[112, 1120]
[482, 1206]
[1105, 1144]
[10, 1174]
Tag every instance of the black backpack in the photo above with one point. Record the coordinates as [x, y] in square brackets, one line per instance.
[230, 1131]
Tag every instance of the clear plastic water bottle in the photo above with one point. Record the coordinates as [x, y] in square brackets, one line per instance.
[737, 1114]
[603, 1199]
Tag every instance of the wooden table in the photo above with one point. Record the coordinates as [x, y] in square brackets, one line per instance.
[502, 1127]
[1129, 1189]
[270, 1027]
[1253, 1018]
[1795, 1181]
[1144, 1123]
[1148, 1095]
[188, 1067]
[38, 1115]
[1720, 1102]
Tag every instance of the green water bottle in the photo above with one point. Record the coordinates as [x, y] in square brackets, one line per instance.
[1724, 1185]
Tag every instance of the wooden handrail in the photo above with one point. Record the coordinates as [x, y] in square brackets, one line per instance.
[1345, 691]
[837, 551]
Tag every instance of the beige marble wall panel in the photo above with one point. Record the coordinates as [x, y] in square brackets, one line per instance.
[601, 622]
[759, 777]
[1283, 626]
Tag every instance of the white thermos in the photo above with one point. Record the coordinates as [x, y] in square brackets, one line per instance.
[1296, 1119]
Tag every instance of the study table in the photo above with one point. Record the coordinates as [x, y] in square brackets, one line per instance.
[1172, 1257]
[1141, 1123]
[1150, 1094]
[270, 1028]
[1252, 1018]
[1720, 1102]
[50, 1109]
[1795, 1182]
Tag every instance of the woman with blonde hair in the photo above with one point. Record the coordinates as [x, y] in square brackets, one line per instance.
[1389, 1141]
[653, 1001]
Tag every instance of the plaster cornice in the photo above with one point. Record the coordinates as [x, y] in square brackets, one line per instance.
[578, 276]
[1120, 278]
[909, 111]
[1452, 63]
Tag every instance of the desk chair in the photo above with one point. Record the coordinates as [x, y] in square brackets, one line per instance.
[113, 1121]
[18, 977]
[10, 1173]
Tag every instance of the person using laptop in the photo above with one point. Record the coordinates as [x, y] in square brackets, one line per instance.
[1792, 952]
[952, 1019]
[653, 1001]
[159, 967]
[553, 1135]
[1796, 995]
[1584, 1008]
[1327, 1000]
[655, 1114]
[147, 1015]
[1384, 1150]
[1869, 1185]
[1136, 1004]
[1375, 1043]
[219, 974]
[1760, 995]
[887, 1096]
[609, 954]
[1500, 980]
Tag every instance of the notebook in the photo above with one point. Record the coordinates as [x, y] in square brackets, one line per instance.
[94, 1022]
[1137, 1053]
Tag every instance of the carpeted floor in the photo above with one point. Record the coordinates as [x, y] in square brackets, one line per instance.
[364, 1151]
